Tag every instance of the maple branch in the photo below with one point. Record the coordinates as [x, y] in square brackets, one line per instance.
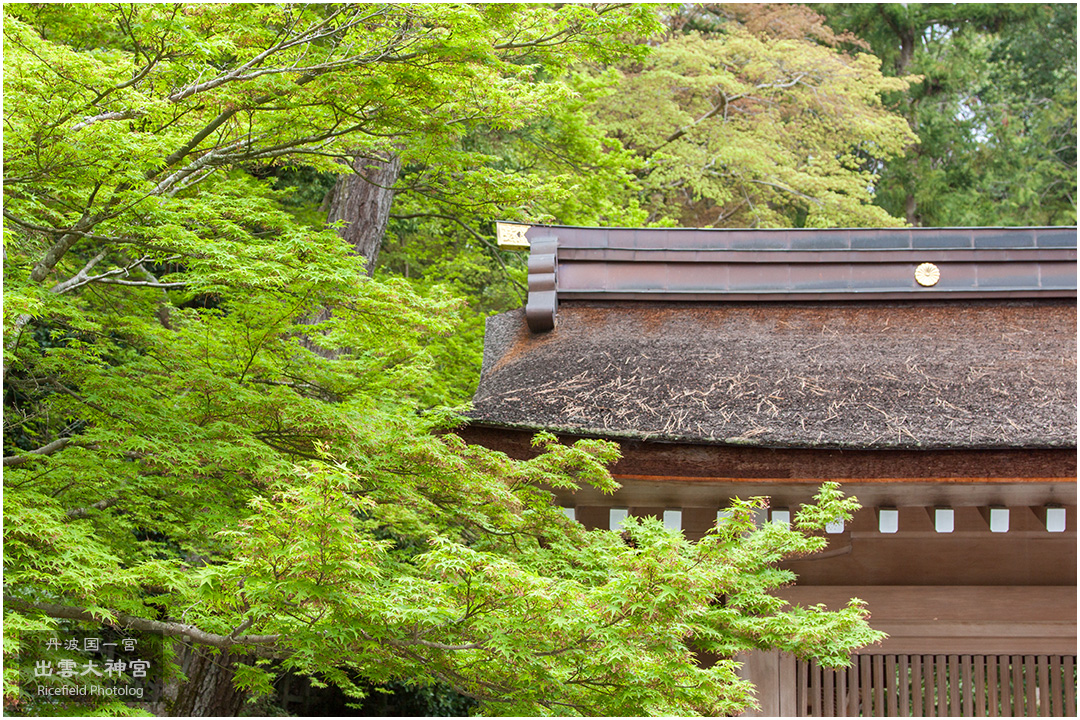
[84, 512]
[112, 276]
[54, 446]
[521, 290]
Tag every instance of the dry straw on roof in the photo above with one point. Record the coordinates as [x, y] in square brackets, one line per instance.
[977, 374]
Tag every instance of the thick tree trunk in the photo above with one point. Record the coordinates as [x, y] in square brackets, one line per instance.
[899, 19]
[362, 200]
[209, 690]
[911, 210]
[907, 51]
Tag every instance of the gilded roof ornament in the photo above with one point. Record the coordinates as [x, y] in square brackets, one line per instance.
[927, 274]
[511, 236]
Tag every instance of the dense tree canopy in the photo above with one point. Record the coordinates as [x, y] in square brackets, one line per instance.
[218, 425]
[737, 128]
[995, 112]
[224, 422]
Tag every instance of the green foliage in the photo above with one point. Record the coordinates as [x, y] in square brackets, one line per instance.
[551, 612]
[216, 420]
[736, 129]
[995, 112]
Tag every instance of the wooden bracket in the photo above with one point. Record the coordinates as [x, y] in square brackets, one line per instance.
[543, 296]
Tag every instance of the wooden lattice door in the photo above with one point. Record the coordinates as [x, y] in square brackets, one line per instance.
[940, 686]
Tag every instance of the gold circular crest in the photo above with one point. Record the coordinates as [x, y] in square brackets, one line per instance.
[927, 274]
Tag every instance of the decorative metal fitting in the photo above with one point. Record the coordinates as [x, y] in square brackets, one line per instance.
[511, 236]
[927, 274]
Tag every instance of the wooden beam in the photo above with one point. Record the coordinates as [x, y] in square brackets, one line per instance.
[856, 480]
[641, 458]
[1014, 492]
[990, 620]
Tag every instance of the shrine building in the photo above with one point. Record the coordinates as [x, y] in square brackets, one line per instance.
[930, 371]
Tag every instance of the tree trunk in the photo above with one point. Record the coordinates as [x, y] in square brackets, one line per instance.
[911, 210]
[903, 25]
[907, 51]
[209, 690]
[362, 200]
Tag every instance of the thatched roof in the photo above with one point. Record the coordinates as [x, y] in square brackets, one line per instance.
[868, 374]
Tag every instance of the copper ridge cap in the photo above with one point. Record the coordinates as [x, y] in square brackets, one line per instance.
[516, 236]
[753, 264]
[916, 228]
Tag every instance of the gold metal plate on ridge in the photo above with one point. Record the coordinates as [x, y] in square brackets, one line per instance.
[511, 236]
[927, 274]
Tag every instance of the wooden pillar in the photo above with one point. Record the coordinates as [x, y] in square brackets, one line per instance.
[788, 686]
[773, 674]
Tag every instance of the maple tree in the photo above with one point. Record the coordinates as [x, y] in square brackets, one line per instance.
[737, 127]
[195, 447]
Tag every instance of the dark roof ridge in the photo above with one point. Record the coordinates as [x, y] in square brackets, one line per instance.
[686, 264]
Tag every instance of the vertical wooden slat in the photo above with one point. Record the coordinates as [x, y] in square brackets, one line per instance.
[879, 685]
[979, 670]
[953, 680]
[1056, 705]
[866, 687]
[815, 689]
[968, 691]
[798, 688]
[942, 690]
[891, 686]
[916, 685]
[787, 685]
[992, 684]
[805, 675]
[1070, 687]
[905, 687]
[1044, 685]
[800, 693]
[1030, 685]
[842, 692]
[1003, 684]
[928, 685]
[764, 666]
[902, 685]
[829, 692]
[1018, 685]
[853, 690]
